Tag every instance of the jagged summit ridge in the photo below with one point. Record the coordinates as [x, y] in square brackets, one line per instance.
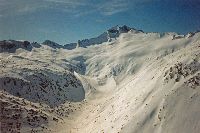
[122, 29]
[108, 36]
[52, 44]
[12, 45]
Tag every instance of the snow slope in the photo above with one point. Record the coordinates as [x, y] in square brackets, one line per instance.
[130, 82]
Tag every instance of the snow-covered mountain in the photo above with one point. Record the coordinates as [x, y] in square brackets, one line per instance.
[108, 36]
[124, 80]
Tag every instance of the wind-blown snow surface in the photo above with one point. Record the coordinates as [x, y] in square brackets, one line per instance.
[136, 83]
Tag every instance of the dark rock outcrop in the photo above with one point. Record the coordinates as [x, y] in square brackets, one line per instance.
[12, 45]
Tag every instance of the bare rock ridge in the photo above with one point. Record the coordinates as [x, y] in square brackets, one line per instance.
[109, 35]
[52, 44]
[12, 45]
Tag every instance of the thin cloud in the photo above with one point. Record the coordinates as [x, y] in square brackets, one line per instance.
[15, 7]
[100, 20]
[113, 7]
[18, 7]
[73, 7]
[106, 8]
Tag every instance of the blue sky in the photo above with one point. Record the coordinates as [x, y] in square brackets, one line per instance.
[66, 21]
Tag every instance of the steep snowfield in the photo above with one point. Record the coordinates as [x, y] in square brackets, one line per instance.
[138, 82]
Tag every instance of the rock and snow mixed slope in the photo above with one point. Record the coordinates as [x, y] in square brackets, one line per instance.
[127, 82]
[108, 36]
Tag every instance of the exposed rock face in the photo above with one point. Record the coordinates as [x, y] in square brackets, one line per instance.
[12, 45]
[70, 46]
[109, 35]
[52, 44]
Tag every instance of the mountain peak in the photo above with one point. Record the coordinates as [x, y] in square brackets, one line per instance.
[123, 29]
[120, 29]
[108, 36]
[52, 44]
